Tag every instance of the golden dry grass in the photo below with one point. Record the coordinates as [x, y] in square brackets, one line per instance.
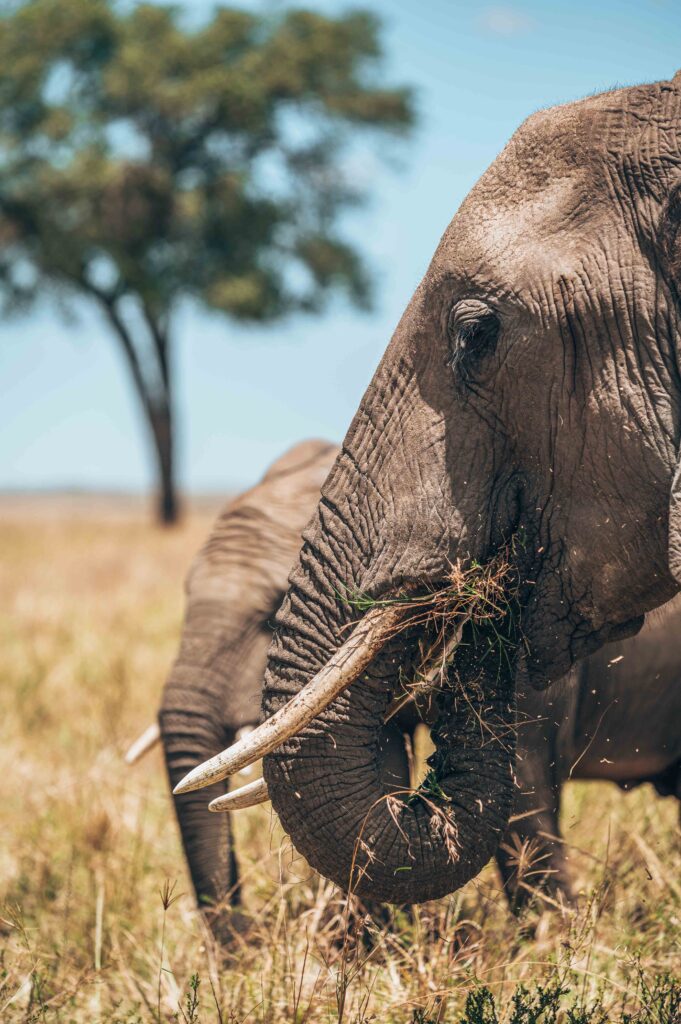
[89, 852]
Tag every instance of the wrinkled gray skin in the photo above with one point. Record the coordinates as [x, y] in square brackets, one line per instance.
[531, 393]
[233, 589]
[615, 717]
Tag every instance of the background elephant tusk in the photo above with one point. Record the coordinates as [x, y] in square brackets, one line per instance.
[339, 672]
[246, 796]
[143, 744]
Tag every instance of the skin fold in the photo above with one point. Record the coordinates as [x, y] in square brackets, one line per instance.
[597, 723]
[528, 407]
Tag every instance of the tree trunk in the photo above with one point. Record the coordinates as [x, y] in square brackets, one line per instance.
[152, 379]
[161, 423]
[162, 432]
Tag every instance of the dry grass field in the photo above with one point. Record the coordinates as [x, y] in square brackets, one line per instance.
[96, 918]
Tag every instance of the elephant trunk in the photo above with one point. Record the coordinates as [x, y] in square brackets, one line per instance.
[328, 783]
[212, 691]
[190, 719]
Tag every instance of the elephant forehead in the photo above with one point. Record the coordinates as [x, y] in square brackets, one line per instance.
[494, 248]
[584, 143]
[514, 226]
[551, 192]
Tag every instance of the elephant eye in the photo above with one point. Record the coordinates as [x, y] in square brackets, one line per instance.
[473, 329]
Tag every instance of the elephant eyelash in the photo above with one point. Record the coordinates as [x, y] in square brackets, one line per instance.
[471, 338]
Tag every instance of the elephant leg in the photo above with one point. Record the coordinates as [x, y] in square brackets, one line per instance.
[668, 783]
[531, 856]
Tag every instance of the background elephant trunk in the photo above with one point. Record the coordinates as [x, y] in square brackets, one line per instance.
[208, 696]
[191, 731]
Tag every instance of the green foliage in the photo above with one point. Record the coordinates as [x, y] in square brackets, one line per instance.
[538, 1004]
[167, 162]
[430, 787]
[661, 999]
[143, 162]
[190, 1014]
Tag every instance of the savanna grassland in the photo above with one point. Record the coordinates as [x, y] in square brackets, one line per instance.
[97, 922]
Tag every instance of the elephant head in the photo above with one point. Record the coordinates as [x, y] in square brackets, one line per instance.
[528, 402]
[233, 588]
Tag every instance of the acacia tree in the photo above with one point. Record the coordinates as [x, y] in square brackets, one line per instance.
[144, 163]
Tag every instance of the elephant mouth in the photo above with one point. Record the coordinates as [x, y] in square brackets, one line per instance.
[407, 639]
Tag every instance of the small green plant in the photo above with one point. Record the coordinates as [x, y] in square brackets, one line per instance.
[190, 1013]
[480, 1008]
[430, 787]
[543, 1004]
[419, 1017]
[661, 1000]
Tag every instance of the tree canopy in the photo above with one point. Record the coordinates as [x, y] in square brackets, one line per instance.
[144, 161]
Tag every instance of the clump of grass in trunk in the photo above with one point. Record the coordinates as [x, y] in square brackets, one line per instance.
[483, 595]
[477, 593]
[430, 786]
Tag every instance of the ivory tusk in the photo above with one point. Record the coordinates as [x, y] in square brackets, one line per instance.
[143, 744]
[246, 796]
[241, 734]
[339, 672]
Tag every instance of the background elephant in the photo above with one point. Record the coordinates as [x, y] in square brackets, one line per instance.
[233, 588]
[615, 717]
[527, 411]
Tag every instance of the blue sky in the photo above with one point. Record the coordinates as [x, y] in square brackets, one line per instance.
[68, 414]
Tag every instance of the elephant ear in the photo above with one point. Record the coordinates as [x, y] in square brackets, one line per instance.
[670, 238]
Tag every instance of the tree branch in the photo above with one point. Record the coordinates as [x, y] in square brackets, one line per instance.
[153, 399]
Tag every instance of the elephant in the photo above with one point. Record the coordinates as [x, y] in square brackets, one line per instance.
[233, 588]
[616, 717]
[559, 733]
[515, 451]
